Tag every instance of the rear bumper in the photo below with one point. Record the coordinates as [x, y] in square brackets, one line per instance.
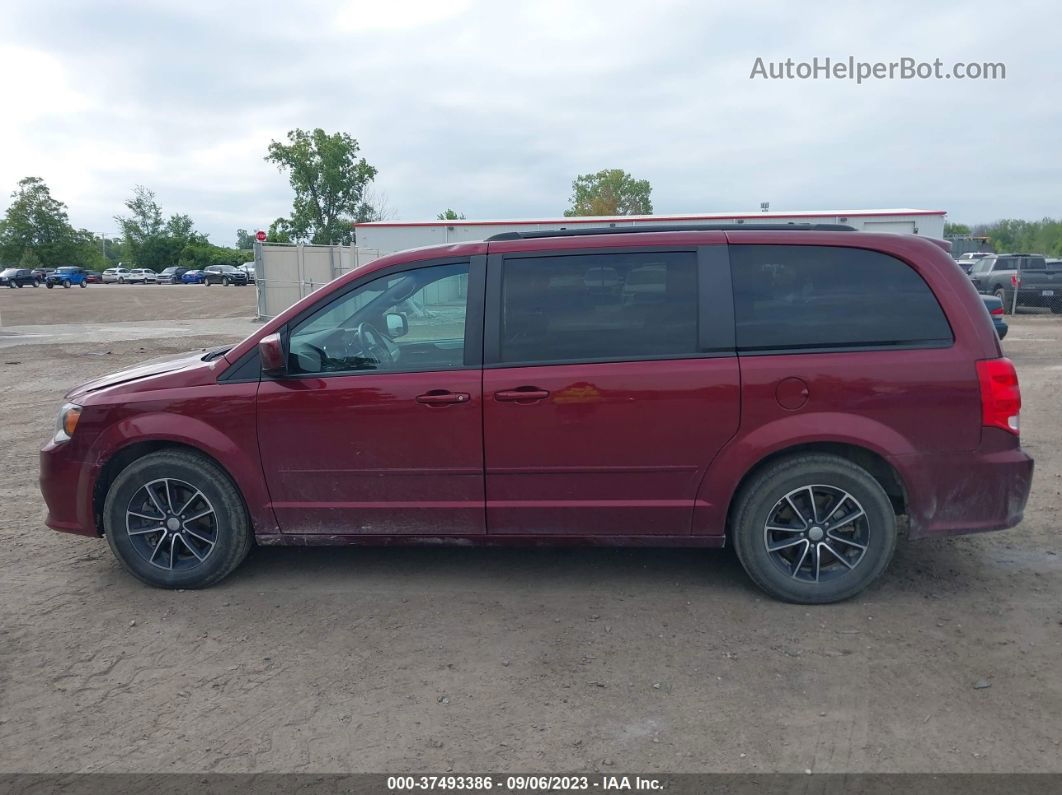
[950, 494]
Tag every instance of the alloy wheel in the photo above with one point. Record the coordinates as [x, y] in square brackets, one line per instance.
[816, 533]
[171, 524]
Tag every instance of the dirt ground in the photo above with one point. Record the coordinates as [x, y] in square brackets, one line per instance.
[423, 659]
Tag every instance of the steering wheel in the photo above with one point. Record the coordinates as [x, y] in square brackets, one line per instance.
[372, 344]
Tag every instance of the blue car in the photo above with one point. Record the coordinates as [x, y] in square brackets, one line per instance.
[995, 311]
[192, 277]
[67, 276]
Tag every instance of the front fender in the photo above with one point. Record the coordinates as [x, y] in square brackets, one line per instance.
[723, 477]
[234, 449]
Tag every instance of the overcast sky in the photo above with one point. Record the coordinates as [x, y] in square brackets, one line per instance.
[492, 108]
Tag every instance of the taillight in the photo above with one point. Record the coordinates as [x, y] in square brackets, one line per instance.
[1000, 394]
[997, 311]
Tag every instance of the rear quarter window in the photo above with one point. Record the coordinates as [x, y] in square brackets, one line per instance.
[822, 297]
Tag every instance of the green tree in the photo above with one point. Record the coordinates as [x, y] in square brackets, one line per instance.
[956, 230]
[450, 215]
[29, 259]
[244, 239]
[329, 180]
[611, 191]
[35, 221]
[151, 241]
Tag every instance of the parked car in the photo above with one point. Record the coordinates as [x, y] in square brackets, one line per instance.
[67, 276]
[1037, 285]
[41, 274]
[224, 275]
[995, 311]
[248, 268]
[764, 393]
[172, 275]
[142, 276]
[116, 276]
[192, 277]
[93, 277]
[18, 277]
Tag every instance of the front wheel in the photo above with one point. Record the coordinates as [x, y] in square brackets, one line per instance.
[814, 529]
[49, 285]
[66, 284]
[174, 519]
[82, 284]
[36, 283]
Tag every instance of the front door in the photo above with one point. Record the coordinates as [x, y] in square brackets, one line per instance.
[605, 394]
[377, 426]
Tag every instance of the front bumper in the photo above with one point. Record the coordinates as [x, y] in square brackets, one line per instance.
[66, 485]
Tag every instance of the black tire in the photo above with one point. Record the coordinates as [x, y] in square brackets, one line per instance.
[755, 508]
[49, 285]
[1001, 294]
[66, 284]
[83, 284]
[1056, 307]
[121, 280]
[206, 282]
[225, 281]
[18, 285]
[231, 534]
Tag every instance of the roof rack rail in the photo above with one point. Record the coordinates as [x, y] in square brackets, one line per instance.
[626, 230]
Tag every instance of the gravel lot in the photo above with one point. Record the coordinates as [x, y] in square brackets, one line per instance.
[400, 659]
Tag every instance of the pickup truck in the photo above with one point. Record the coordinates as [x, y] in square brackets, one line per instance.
[1028, 274]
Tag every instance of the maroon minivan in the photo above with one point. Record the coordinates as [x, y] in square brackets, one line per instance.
[794, 389]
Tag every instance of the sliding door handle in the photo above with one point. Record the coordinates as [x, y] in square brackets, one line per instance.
[521, 394]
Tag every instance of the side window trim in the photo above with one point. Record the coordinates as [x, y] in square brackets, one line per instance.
[713, 280]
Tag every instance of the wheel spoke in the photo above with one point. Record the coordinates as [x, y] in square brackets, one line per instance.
[849, 519]
[173, 543]
[776, 529]
[799, 563]
[191, 548]
[191, 499]
[145, 516]
[814, 507]
[845, 541]
[818, 560]
[151, 493]
[158, 546]
[785, 545]
[147, 530]
[207, 512]
[839, 556]
[169, 495]
[841, 501]
[796, 511]
[194, 534]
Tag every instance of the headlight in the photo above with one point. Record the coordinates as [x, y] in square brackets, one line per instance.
[66, 423]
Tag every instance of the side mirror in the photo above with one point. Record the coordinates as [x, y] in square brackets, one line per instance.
[397, 325]
[271, 351]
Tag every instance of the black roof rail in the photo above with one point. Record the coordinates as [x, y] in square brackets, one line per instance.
[626, 230]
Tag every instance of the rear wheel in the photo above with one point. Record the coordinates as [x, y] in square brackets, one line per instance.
[66, 284]
[174, 519]
[49, 285]
[225, 282]
[83, 284]
[1001, 294]
[814, 529]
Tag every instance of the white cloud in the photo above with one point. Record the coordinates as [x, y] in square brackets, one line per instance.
[492, 108]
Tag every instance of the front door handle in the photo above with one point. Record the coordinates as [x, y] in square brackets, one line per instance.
[440, 397]
[522, 393]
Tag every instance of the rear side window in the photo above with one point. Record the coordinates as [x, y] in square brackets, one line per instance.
[819, 297]
[599, 306]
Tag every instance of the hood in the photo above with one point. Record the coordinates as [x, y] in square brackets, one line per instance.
[199, 362]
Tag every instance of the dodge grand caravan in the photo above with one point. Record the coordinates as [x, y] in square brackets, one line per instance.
[791, 391]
